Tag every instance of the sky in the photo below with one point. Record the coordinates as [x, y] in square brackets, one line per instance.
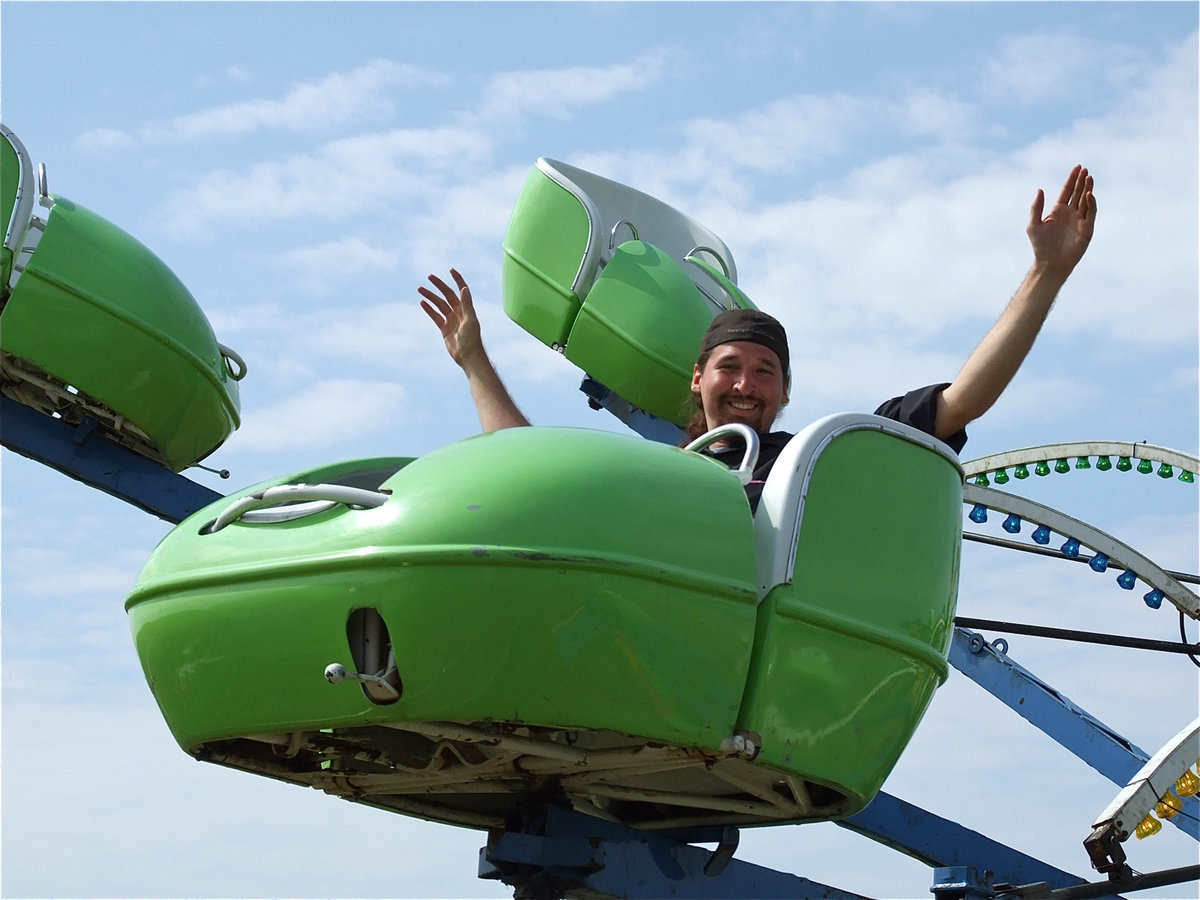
[303, 167]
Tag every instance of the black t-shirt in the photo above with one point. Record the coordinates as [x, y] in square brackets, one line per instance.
[916, 408]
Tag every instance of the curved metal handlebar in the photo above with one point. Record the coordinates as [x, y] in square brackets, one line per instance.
[612, 235]
[702, 249]
[231, 356]
[325, 496]
[44, 198]
[745, 471]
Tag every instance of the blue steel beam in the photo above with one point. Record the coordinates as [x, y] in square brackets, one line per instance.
[643, 423]
[1110, 754]
[941, 843]
[570, 854]
[83, 454]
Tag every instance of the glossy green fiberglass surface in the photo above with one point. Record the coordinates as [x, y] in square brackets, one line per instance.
[568, 580]
[548, 236]
[99, 311]
[629, 316]
[10, 180]
[849, 653]
[638, 330]
[558, 577]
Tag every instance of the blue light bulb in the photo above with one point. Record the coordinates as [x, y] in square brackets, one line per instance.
[1154, 599]
[1099, 562]
[978, 514]
[1013, 524]
[1070, 548]
[1127, 579]
[1041, 535]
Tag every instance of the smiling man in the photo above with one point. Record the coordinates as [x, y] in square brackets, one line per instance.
[741, 374]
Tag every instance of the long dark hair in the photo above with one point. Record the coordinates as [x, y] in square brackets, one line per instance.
[698, 423]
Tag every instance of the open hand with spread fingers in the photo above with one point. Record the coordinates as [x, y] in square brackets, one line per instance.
[453, 311]
[1061, 237]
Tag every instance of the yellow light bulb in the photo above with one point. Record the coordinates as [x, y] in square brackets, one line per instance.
[1147, 827]
[1188, 784]
[1169, 806]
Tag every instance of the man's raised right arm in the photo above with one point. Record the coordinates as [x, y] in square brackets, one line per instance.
[454, 314]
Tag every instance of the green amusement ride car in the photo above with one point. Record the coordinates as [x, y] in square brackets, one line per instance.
[95, 326]
[573, 616]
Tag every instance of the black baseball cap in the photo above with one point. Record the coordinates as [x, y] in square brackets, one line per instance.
[752, 325]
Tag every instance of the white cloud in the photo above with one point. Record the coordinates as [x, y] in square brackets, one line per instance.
[328, 266]
[897, 242]
[783, 135]
[104, 140]
[511, 97]
[373, 168]
[328, 413]
[316, 106]
[1042, 67]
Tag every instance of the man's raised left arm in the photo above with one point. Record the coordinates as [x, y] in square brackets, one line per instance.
[1059, 240]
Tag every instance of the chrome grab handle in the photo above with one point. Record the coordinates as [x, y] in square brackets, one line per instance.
[233, 359]
[745, 471]
[709, 250]
[612, 235]
[325, 496]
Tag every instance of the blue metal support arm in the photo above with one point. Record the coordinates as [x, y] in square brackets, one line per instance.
[81, 453]
[643, 423]
[1110, 754]
[940, 843]
[569, 854]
